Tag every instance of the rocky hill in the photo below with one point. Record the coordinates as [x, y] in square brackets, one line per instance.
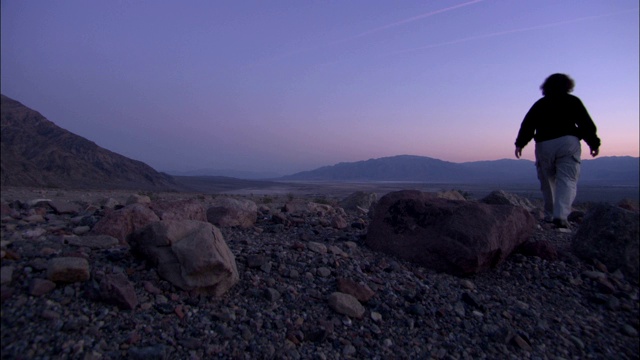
[36, 152]
[614, 171]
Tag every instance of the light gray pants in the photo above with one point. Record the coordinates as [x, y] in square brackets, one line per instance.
[558, 164]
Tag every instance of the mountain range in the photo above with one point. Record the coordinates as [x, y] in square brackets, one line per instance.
[610, 171]
[38, 153]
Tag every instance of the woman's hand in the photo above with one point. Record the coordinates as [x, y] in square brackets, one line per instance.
[518, 152]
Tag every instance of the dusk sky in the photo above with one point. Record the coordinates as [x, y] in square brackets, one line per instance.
[287, 86]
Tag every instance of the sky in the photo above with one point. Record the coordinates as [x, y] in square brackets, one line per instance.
[287, 86]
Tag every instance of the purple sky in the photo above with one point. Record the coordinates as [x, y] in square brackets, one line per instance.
[287, 86]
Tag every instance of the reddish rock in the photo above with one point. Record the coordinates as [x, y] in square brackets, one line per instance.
[543, 249]
[360, 291]
[457, 237]
[68, 269]
[116, 289]
[121, 223]
[39, 287]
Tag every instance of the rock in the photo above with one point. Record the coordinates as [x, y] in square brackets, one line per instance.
[500, 197]
[189, 254]
[229, 212]
[317, 247]
[543, 249]
[457, 237]
[6, 274]
[138, 199]
[92, 241]
[179, 210]
[109, 203]
[361, 292]
[81, 230]
[338, 222]
[359, 201]
[116, 289]
[68, 269]
[346, 304]
[39, 287]
[121, 223]
[64, 207]
[610, 234]
[451, 195]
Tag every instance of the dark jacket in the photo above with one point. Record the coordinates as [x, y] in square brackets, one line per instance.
[554, 116]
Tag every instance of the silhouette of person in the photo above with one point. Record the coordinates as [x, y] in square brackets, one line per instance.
[557, 122]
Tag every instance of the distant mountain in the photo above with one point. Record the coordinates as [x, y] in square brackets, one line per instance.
[615, 171]
[238, 174]
[38, 153]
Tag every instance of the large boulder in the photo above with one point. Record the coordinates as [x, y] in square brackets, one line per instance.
[121, 223]
[609, 234]
[453, 236]
[229, 212]
[192, 255]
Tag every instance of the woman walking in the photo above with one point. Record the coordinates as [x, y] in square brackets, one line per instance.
[557, 122]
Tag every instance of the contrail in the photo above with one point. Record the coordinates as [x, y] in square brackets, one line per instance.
[368, 32]
[490, 35]
[405, 21]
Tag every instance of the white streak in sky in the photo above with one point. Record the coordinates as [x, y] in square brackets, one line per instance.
[406, 21]
[384, 27]
[485, 36]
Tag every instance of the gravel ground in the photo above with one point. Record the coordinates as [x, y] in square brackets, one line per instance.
[526, 308]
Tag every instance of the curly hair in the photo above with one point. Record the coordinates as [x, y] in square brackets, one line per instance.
[557, 84]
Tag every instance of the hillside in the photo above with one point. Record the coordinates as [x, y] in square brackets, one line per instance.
[38, 153]
[612, 171]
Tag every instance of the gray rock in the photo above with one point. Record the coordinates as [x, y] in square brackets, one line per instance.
[190, 254]
[346, 304]
[610, 234]
[118, 290]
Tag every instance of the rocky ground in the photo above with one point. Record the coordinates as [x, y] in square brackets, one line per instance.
[281, 309]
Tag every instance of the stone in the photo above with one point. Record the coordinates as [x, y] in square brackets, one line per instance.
[6, 274]
[109, 203]
[451, 195]
[92, 241]
[610, 235]
[179, 210]
[68, 269]
[81, 230]
[138, 199]
[456, 237]
[118, 290]
[190, 254]
[346, 304]
[338, 222]
[123, 222]
[64, 207]
[500, 197]
[359, 201]
[39, 287]
[230, 212]
[543, 249]
[361, 292]
[317, 247]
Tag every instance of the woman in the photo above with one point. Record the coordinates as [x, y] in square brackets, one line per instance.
[557, 122]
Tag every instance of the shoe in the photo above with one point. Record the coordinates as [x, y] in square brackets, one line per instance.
[561, 223]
